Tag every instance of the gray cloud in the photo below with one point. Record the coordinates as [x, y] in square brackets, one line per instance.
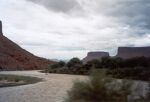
[130, 12]
[33, 44]
[133, 12]
[68, 28]
[57, 5]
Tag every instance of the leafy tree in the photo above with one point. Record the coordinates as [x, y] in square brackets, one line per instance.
[57, 65]
[73, 62]
[95, 63]
[106, 62]
[54, 66]
[61, 64]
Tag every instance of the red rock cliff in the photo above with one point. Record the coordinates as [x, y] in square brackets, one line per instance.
[13, 57]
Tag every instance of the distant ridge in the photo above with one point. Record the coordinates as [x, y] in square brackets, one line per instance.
[13, 57]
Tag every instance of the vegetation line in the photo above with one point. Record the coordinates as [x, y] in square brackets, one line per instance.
[137, 68]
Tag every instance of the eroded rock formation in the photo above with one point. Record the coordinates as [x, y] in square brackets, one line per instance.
[130, 52]
[13, 57]
[95, 55]
[1, 32]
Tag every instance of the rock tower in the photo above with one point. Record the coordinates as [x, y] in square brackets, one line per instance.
[1, 32]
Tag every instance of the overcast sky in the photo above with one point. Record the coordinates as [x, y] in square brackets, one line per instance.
[62, 29]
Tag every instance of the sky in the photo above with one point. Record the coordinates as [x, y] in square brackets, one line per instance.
[62, 29]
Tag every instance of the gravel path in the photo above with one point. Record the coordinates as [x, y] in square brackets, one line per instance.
[52, 89]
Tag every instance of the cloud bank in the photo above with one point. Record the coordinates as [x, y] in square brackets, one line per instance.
[66, 28]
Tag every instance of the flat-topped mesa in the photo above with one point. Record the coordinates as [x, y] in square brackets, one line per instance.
[130, 52]
[1, 31]
[95, 55]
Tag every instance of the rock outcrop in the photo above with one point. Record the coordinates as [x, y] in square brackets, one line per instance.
[95, 55]
[13, 57]
[130, 52]
[1, 32]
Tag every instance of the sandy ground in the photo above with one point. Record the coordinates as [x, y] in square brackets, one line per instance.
[52, 89]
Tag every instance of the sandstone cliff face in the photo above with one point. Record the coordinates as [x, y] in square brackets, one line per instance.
[130, 52]
[13, 57]
[95, 55]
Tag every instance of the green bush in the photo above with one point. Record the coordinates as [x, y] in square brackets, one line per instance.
[99, 89]
[137, 73]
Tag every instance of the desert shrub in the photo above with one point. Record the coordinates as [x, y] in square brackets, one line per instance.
[57, 65]
[53, 68]
[99, 89]
[94, 64]
[137, 73]
[112, 63]
[148, 94]
[133, 68]
[136, 61]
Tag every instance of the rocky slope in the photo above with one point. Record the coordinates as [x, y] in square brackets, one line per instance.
[13, 57]
[95, 55]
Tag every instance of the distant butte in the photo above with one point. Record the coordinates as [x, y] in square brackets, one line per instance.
[95, 55]
[123, 52]
[130, 52]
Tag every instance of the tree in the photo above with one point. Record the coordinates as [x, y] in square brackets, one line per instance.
[73, 62]
[105, 61]
[95, 63]
[54, 66]
[61, 63]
